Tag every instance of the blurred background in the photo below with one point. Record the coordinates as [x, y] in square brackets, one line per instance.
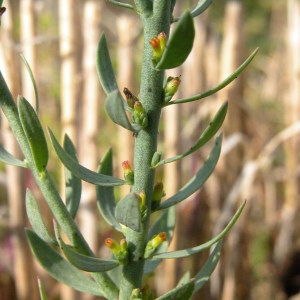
[260, 156]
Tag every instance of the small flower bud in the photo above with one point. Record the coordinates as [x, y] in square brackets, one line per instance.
[139, 115]
[119, 251]
[112, 245]
[158, 239]
[171, 87]
[123, 245]
[130, 98]
[156, 158]
[136, 294]
[162, 40]
[128, 172]
[157, 195]
[153, 244]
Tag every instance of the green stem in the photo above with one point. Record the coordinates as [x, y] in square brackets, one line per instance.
[151, 96]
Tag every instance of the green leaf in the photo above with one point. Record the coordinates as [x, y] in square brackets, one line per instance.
[197, 249]
[106, 201]
[9, 159]
[34, 134]
[59, 268]
[104, 67]
[200, 7]
[80, 171]
[203, 276]
[165, 223]
[36, 219]
[199, 179]
[32, 80]
[115, 108]
[184, 291]
[42, 290]
[128, 212]
[185, 278]
[122, 4]
[116, 275]
[217, 88]
[87, 263]
[73, 183]
[179, 44]
[208, 133]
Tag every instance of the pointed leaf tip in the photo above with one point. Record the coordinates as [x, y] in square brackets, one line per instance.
[104, 67]
[34, 134]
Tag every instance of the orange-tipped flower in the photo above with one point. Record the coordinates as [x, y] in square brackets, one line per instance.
[128, 172]
[119, 250]
[158, 239]
[158, 44]
[162, 40]
[153, 244]
[112, 245]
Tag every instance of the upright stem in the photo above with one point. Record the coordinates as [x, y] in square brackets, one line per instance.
[151, 92]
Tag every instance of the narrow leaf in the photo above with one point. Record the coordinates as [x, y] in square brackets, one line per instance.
[128, 212]
[59, 268]
[197, 249]
[217, 88]
[122, 4]
[104, 67]
[186, 277]
[9, 159]
[73, 183]
[165, 223]
[87, 263]
[42, 290]
[200, 7]
[116, 275]
[115, 108]
[34, 134]
[184, 291]
[179, 44]
[199, 179]
[80, 171]
[208, 133]
[203, 276]
[36, 219]
[32, 81]
[105, 195]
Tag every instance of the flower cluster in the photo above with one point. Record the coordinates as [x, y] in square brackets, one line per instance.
[119, 250]
[158, 44]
